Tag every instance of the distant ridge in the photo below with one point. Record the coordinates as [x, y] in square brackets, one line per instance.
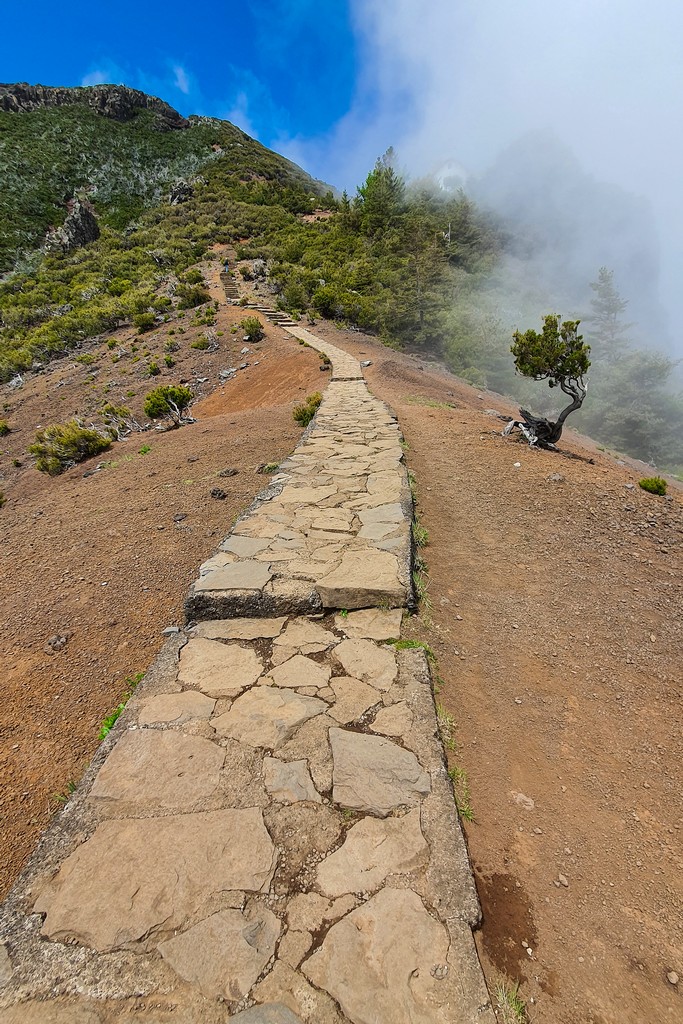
[117, 102]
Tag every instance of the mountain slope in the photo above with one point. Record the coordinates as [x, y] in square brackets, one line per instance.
[123, 148]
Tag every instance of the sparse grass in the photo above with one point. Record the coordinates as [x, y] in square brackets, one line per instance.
[145, 449]
[420, 534]
[413, 645]
[653, 484]
[430, 403]
[66, 793]
[510, 1008]
[446, 726]
[268, 468]
[461, 791]
[108, 724]
[4, 428]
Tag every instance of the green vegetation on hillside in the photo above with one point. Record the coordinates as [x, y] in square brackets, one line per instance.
[421, 267]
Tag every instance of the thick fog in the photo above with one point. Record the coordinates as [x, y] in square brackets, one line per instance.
[567, 115]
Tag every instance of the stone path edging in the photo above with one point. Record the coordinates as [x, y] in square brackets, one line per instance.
[268, 835]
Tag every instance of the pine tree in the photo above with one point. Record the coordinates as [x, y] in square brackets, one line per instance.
[608, 333]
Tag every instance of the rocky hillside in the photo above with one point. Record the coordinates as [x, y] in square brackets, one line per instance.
[120, 147]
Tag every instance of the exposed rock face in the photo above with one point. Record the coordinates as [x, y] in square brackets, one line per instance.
[79, 228]
[115, 101]
[180, 193]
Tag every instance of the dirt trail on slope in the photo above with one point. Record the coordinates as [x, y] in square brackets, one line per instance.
[556, 614]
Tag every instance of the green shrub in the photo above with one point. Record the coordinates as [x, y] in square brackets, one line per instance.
[144, 322]
[252, 327]
[60, 446]
[202, 343]
[190, 296]
[169, 360]
[167, 402]
[305, 412]
[193, 276]
[3, 499]
[4, 428]
[653, 484]
[153, 369]
[87, 359]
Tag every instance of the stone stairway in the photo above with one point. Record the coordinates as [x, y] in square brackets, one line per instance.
[268, 835]
[229, 286]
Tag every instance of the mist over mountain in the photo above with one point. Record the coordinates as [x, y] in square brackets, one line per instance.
[565, 224]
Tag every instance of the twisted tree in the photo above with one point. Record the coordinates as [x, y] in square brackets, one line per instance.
[559, 355]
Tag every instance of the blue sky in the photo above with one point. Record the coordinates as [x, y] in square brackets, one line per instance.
[278, 68]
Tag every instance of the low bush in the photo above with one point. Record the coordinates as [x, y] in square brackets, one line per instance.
[167, 402]
[62, 445]
[193, 276]
[252, 327]
[4, 428]
[305, 412]
[202, 343]
[144, 322]
[653, 484]
[190, 296]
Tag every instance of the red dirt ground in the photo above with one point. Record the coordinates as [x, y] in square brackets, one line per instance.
[554, 610]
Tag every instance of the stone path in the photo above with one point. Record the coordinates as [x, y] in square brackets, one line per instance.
[269, 834]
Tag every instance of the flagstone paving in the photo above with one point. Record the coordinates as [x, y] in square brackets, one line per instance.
[268, 835]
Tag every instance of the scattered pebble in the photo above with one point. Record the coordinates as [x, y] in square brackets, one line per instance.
[563, 880]
[517, 465]
[218, 494]
[672, 978]
[170, 630]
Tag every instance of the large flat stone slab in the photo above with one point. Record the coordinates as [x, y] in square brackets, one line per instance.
[239, 629]
[363, 579]
[175, 708]
[306, 637]
[368, 662]
[353, 699]
[159, 770]
[272, 1013]
[246, 575]
[300, 671]
[218, 670]
[374, 775]
[371, 624]
[267, 716]
[382, 960]
[289, 781]
[225, 953]
[373, 850]
[136, 879]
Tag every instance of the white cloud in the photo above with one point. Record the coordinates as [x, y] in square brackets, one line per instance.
[181, 79]
[239, 114]
[462, 79]
[97, 77]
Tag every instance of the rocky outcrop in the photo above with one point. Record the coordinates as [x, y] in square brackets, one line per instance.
[115, 101]
[180, 192]
[79, 228]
